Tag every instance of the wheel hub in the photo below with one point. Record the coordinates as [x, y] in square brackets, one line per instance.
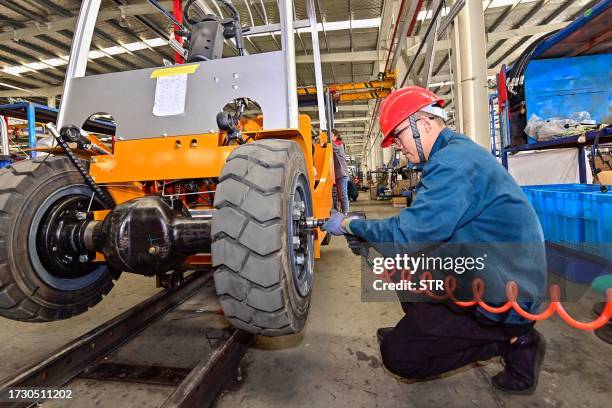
[57, 238]
[302, 243]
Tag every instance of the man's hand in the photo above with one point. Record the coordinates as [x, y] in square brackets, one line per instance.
[355, 243]
[336, 224]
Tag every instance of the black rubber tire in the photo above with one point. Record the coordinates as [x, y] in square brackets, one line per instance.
[24, 295]
[251, 253]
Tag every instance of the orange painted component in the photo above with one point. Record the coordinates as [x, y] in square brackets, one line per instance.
[125, 191]
[202, 259]
[252, 124]
[359, 96]
[82, 154]
[97, 142]
[136, 166]
[100, 215]
[387, 83]
[180, 157]
[322, 194]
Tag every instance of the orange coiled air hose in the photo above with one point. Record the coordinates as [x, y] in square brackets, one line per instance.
[512, 294]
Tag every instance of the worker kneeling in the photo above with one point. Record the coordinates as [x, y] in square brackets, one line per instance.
[465, 196]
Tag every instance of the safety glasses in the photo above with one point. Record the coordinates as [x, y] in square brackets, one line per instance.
[397, 133]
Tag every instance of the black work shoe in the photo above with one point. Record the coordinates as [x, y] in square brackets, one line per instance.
[382, 332]
[522, 365]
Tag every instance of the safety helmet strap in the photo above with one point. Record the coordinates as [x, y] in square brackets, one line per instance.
[417, 138]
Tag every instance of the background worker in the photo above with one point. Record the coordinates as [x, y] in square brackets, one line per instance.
[465, 196]
[341, 171]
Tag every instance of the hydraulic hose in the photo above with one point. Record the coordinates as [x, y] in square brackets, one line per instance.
[236, 16]
[166, 13]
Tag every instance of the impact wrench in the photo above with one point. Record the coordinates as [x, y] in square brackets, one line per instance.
[313, 223]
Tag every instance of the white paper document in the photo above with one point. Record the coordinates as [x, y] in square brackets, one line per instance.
[170, 94]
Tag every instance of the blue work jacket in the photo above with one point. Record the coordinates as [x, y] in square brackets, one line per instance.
[466, 197]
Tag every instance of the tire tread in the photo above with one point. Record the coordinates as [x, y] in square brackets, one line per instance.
[16, 181]
[252, 182]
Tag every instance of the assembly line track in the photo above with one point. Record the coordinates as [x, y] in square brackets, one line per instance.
[199, 388]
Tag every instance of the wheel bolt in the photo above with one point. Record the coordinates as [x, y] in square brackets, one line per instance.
[296, 242]
[299, 259]
[54, 248]
[81, 216]
[298, 208]
[67, 258]
[83, 258]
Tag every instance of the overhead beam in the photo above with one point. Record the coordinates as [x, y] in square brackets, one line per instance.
[446, 77]
[348, 120]
[526, 31]
[56, 90]
[351, 129]
[341, 108]
[493, 37]
[68, 23]
[340, 57]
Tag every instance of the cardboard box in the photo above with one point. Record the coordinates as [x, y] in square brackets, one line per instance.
[599, 164]
[402, 185]
[372, 193]
[605, 177]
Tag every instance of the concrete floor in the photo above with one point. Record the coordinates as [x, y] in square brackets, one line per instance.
[335, 361]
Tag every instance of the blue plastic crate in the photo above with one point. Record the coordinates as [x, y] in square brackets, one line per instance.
[558, 87]
[573, 266]
[578, 216]
[598, 223]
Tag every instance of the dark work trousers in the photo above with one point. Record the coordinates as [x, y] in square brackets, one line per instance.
[342, 193]
[434, 338]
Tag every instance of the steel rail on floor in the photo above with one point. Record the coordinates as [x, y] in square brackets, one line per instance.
[199, 388]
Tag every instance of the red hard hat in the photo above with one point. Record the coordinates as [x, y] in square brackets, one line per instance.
[401, 104]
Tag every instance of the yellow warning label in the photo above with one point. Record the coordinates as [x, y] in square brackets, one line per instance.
[172, 71]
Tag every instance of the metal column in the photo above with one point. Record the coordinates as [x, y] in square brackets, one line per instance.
[317, 63]
[81, 42]
[403, 23]
[430, 43]
[177, 11]
[288, 41]
[32, 129]
[473, 59]
[582, 165]
[456, 69]
[4, 138]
